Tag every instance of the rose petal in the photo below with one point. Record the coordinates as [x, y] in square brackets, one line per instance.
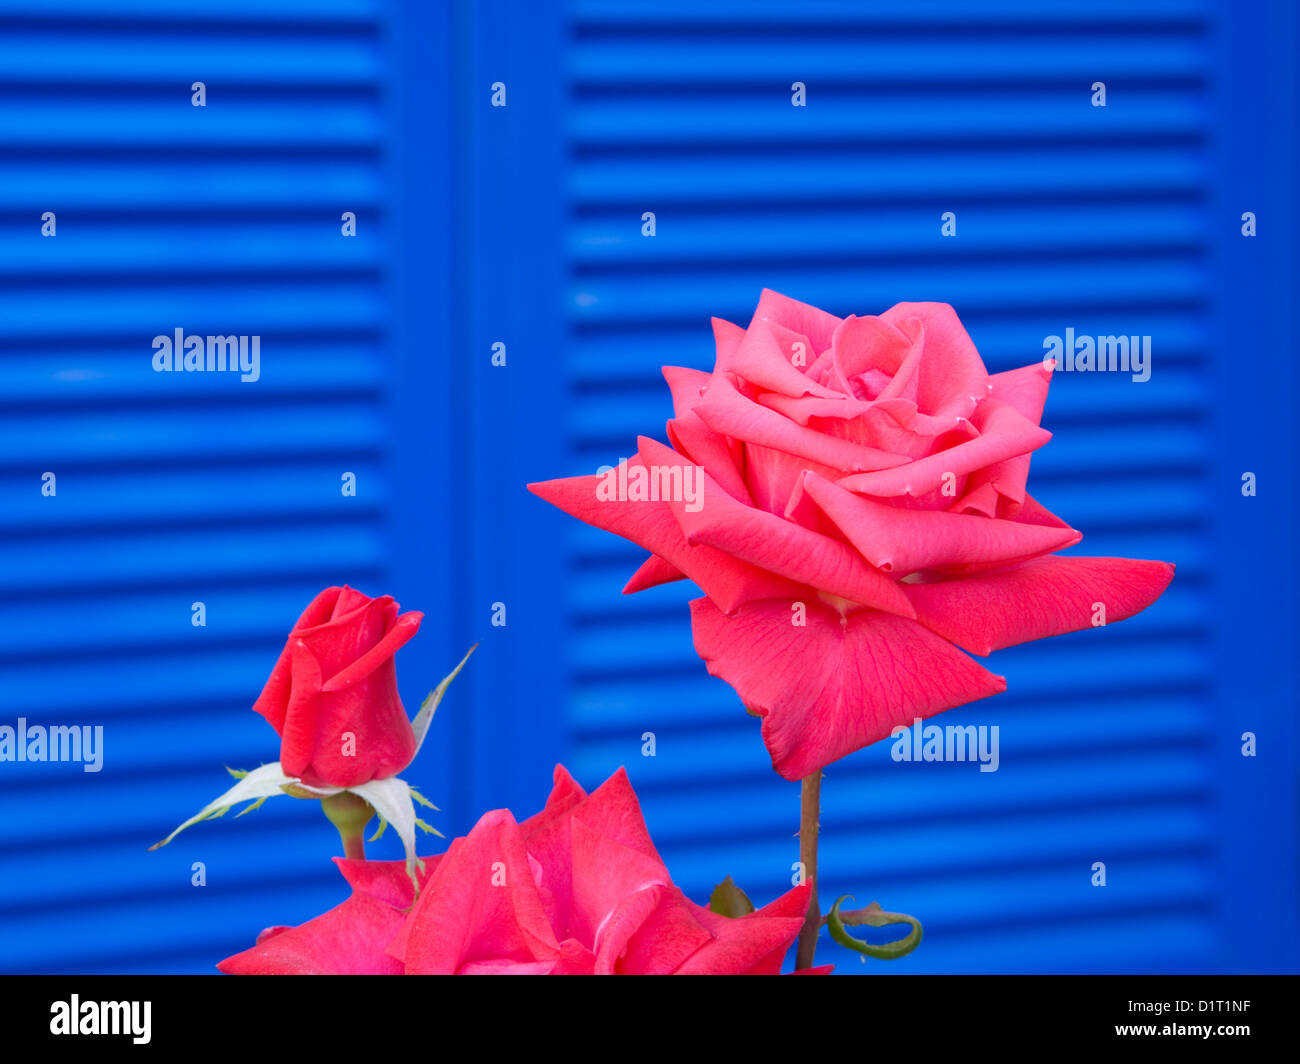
[298, 738]
[776, 482]
[273, 702]
[951, 377]
[902, 541]
[754, 944]
[1043, 597]
[774, 544]
[725, 410]
[592, 853]
[748, 947]
[385, 881]
[726, 580]
[1025, 389]
[764, 358]
[653, 932]
[566, 795]
[871, 343]
[812, 322]
[691, 437]
[837, 683]
[611, 893]
[1006, 434]
[890, 426]
[613, 810]
[348, 940]
[982, 501]
[403, 629]
[652, 572]
[1035, 513]
[481, 904]
[726, 338]
[685, 386]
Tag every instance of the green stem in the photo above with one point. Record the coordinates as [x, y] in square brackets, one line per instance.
[809, 813]
[350, 813]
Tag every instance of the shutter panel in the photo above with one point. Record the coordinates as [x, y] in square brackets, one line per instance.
[1117, 745]
[1068, 216]
[174, 488]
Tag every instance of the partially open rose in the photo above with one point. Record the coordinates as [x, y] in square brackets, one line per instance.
[849, 494]
[577, 889]
[332, 695]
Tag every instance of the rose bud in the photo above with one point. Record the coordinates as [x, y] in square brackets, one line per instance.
[332, 695]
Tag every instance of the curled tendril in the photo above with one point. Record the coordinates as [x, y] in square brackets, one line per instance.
[873, 916]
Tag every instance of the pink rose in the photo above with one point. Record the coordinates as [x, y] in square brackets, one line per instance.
[577, 889]
[849, 494]
[332, 695]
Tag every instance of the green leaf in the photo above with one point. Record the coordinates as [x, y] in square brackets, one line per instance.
[728, 899]
[383, 826]
[873, 916]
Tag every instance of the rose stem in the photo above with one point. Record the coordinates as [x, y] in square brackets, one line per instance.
[354, 847]
[810, 808]
[349, 813]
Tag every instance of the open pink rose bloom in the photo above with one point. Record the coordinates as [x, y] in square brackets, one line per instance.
[849, 494]
[577, 889]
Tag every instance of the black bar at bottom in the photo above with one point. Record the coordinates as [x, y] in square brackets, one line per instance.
[328, 1017]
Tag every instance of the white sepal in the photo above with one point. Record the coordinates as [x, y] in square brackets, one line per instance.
[391, 799]
[422, 719]
[256, 786]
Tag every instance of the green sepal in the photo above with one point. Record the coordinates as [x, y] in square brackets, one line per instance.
[428, 829]
[728, 899]
[251, 806]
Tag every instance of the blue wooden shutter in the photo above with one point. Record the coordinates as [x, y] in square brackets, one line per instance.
[176, 488]
[1069, 216]
[523, 226]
